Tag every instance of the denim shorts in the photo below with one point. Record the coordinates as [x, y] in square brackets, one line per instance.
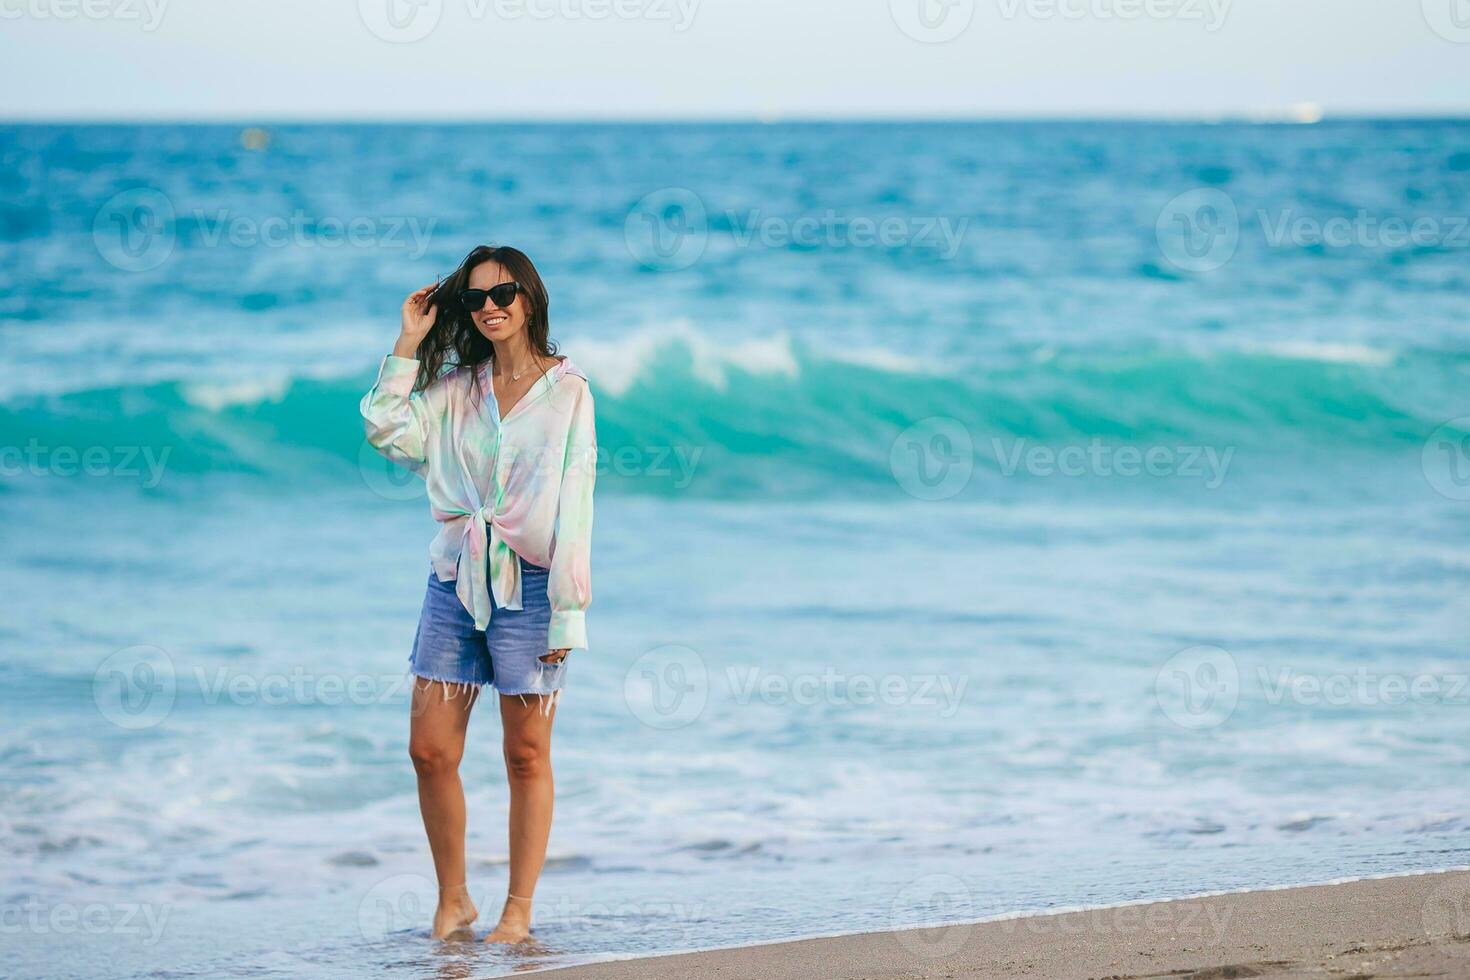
[506, 655]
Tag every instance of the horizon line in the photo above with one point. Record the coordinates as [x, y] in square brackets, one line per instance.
[1297, 114]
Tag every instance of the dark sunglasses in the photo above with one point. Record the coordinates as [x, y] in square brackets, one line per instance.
[473, 300]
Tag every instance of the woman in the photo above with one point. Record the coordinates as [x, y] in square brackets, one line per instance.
[476, 401]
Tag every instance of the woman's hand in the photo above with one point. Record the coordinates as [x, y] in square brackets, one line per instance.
[556, 656]
[417, 321]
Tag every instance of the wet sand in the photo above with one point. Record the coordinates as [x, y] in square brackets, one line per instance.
[1412, 926]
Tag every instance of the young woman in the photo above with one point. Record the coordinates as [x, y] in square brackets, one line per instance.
[476, 401]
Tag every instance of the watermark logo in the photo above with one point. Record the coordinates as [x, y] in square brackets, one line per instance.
[300, 230]
[387, 478]
[670, 229]
[671, 918]
[929, 899]
[932, 21]
[1446, 459]
[1363, 230]
[1211, 13]
[679, 13]
[135, 230]
[144, 922]
[149, 13]
[1446, 914]
[135, 688]
[1198, 687]
[933, 459]
[831, 229]
[667, 687]
[143, 463]
[297, 685]
[395, 905]
[672, 465]
[400, 21]
[1200, 921]
[407, 21]
[1450, 19]
[940, 692]
[1098, 459]
[667, 230]
[1362, 688]
[1199, 231]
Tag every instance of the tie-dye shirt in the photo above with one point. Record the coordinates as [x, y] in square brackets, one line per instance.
[521, 485]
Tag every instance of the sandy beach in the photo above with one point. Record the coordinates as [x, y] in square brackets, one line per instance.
[995, 515]
[1412, 926]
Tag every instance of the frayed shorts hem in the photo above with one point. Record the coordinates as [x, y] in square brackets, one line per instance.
[549, 699]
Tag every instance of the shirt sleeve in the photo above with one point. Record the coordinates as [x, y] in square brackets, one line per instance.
[570, 585]
[397, 421]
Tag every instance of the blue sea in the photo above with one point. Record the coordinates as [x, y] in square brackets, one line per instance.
[992, 518]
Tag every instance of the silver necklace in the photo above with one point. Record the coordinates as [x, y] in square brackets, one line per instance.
[516, 375]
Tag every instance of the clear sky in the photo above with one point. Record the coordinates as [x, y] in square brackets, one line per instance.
[587, 59]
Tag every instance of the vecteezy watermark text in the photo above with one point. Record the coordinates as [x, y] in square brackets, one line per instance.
[941, 691]
[1364, 230]
[933, 459]
[938, 21]
[300, 230]
[137, 230]
[679, 13]
[300, 686]
[407, 21]
[1200, 687]
[1211, 13]
[91, 918]
[833, 230]
[670, 229]
[1362, 687]
[149, 12]
[1099, 459]
[674, 466]
[1201, 230]
[1201, 921]
[137, 687]
[37, 459]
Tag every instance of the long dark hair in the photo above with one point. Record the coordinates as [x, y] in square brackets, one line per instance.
[455, 342]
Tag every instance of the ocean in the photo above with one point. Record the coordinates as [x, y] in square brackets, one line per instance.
[991, 518]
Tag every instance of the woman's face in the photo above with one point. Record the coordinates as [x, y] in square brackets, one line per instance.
[498, 325]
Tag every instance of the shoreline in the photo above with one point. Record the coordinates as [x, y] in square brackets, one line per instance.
[1415, 924]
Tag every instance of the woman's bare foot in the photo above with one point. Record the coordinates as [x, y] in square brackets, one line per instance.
[455, 912]
[515, 922]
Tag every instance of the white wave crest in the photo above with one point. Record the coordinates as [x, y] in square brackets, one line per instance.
[616, 365]
[215, 396]
[1331, 353]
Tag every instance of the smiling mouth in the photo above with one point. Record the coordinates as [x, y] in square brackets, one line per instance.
[494, 320]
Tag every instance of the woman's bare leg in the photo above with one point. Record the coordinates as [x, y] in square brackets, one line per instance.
[526, 723]
[441, 715]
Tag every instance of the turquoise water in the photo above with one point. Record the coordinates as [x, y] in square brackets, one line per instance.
[1097, 534]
